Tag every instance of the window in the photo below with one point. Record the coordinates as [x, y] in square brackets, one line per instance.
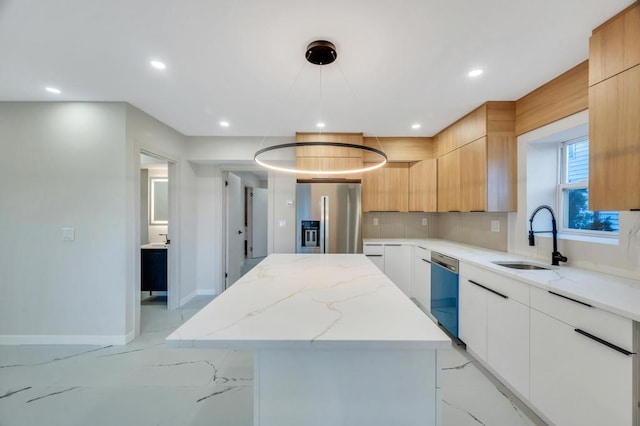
[573, 194]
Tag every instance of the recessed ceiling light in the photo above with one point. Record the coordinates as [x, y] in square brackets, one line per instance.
[415, 126]
[53, 90]
[224, 123]
[475, 73]
[159, 65]
[320, 124]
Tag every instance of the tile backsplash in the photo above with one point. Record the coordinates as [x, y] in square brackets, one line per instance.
[467, 228]
[395, 225]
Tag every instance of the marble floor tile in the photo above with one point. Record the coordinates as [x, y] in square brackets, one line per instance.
[146, 383]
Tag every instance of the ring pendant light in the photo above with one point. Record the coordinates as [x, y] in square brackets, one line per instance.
[320, 52]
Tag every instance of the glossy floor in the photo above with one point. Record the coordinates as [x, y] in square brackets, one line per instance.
[145, 383]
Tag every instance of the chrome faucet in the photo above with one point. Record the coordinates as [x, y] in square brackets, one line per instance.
[556, 256]
[166, 238]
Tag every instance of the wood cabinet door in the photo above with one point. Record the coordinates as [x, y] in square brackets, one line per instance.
[372, 190]
[615, 46]
[396, 187]
[473, 176]
[449, 182]
[423, 186]
[614, 142]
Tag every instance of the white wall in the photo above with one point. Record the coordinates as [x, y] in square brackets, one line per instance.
[62, 165]
[212, 155]
[535, 174]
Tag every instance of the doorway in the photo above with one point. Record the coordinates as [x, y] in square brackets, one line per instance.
[156, 284]
[245, 221]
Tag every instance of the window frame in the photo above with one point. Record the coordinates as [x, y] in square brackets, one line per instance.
[563, 185]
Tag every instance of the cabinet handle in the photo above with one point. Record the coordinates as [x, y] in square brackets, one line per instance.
[393, 245]
[454, 211]
[568, 298]
[425, 260]
[604, 342]
[373, 255]
[488, 289]
[476, 211]
[373, 245]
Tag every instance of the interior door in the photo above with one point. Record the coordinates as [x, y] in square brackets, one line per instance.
[259, 228]
[235, 227]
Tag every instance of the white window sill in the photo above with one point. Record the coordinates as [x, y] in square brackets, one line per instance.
[612, 241]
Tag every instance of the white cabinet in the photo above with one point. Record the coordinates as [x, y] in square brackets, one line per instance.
[421, 280]
[375, 253]
[472, 317]
[576, 380]
[397, 265]
[508, 341]
[494, 324]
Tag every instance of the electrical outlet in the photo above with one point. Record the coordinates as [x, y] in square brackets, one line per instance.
[424, 221]
[495, 226]
[68, 234]
[376, 221]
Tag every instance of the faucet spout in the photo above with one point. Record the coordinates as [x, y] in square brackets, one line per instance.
[556, 256]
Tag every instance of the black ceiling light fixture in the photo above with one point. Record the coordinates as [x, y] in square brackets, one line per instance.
[319, 52]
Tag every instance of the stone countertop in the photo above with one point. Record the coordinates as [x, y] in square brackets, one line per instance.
[306, 301]
[154, 246]
[612, 293]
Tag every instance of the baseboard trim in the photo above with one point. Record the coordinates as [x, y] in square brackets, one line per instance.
[188, 298]
[53, 339]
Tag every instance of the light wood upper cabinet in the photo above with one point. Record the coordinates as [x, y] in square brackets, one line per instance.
[615, 45]
[386, 188]
[449, 182]
[614, 102]
[480, 175]
[423, 186]
[329, 158]
[400, 149]
[473, 176]
[614, 142]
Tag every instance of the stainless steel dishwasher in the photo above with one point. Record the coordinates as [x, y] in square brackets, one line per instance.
[444, 291]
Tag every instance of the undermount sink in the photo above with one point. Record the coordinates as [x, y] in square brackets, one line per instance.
[521, 265]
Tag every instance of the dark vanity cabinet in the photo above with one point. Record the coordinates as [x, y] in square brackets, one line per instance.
[154, 270]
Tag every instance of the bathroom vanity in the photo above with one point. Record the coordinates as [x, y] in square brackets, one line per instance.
[153, 275]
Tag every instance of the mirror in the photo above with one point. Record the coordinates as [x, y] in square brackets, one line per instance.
[159, 202]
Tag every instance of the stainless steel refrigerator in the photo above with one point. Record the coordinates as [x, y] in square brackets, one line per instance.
[328, 218]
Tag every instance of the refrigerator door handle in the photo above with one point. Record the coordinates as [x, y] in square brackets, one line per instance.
[324, 224]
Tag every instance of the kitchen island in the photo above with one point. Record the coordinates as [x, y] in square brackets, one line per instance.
[335, 343]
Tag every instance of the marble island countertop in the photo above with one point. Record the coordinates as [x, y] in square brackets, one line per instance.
[612, 293]
[298, 301]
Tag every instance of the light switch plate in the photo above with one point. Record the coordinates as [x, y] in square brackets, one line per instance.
[376, 221]
[68, 234]
[424, 221]
[495, 226]
[289, 203]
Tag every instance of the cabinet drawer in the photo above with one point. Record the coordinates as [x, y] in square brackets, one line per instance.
[506, 286]
[375, 249]
[422, 253]
[605, 325]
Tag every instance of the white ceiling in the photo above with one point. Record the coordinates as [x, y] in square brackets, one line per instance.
[405, 61]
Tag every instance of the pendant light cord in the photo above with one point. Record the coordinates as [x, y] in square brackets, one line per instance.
[286, 99]
[367, 123]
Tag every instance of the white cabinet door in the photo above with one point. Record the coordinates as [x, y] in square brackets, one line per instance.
[377, 259]
[508, 340]
[375, 253]
[397, 266]
[472, 317]
[421, 282]
[576, 380]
